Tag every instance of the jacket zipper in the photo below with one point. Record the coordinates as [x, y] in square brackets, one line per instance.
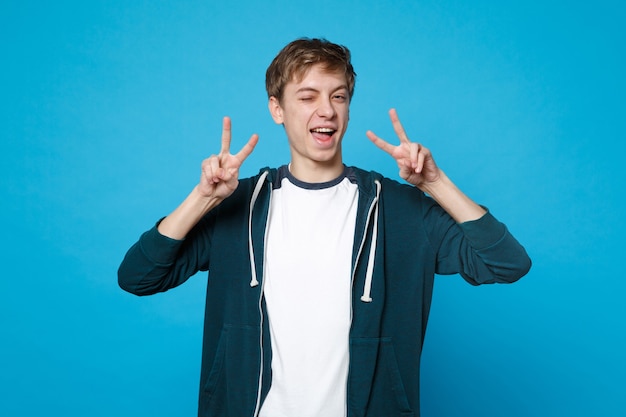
[257, 408]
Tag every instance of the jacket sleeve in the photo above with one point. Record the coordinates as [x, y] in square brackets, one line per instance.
[482, 251]
[157, 263]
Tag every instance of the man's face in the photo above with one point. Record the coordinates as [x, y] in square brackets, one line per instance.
[315, 113]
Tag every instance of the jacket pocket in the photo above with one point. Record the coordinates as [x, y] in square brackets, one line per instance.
[230, 388]
[375, 386]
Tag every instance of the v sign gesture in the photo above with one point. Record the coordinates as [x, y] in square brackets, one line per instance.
[418, 167]
[415, 161]
[220, 173]
[218, 180]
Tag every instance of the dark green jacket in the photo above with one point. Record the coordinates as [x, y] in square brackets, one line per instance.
[404, 238]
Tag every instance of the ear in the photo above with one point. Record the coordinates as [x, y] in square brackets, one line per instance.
[275, 110]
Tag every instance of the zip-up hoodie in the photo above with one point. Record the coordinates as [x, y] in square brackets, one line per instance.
[402, 239]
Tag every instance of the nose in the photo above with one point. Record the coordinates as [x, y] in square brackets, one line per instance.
[326, 108]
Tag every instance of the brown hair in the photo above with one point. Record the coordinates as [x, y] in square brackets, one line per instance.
[295, 59]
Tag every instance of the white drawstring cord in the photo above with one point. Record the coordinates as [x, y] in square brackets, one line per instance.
[257, 190]
[367, 288]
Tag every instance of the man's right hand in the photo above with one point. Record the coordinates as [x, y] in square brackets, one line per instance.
[220, 173]
[218, 180]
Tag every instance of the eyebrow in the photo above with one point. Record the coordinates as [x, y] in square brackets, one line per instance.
[315, 90]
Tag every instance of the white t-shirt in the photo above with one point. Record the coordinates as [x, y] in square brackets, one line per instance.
[307, 288]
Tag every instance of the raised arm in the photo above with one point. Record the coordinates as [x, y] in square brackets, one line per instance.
[161, 259]
[481, 248]
[218, 179]
[417, 166]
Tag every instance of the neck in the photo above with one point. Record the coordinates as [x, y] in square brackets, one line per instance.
[316, 172]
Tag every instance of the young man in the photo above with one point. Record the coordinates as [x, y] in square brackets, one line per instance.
[321, 275]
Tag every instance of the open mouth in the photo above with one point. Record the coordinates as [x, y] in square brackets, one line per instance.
[323, 133]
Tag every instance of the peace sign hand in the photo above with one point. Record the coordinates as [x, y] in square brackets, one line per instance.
[220, 173]
[415, 161]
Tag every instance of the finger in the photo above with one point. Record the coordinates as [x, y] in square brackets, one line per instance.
[247, 149]
[397, 126]
[226, 135]
[421, 157]
[211, 169]
[414, 149]
[380, 143]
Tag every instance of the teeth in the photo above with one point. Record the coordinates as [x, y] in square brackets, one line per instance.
[323, 130]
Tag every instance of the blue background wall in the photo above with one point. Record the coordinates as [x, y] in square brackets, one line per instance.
[107, 109]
